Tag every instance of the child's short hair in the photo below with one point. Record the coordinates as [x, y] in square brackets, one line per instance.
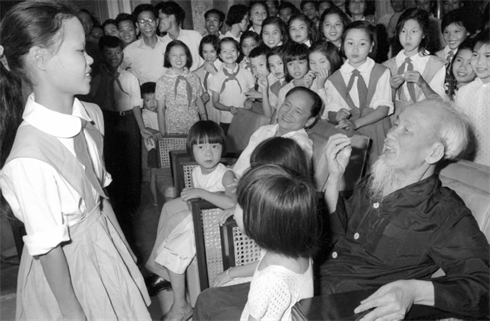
[125, 17]
[422, 18]
[236, 13]
[258, 51]
[171, 8]
[231, 40]
[110, 42]
[317, 101]
[280, 24]
[280, 151]
[482, 38]
[142, 8]
[305, 2]
[312, 30]
[280, 210]
[249, 34]
[334, 10]
[277, 51]
[174, 43]
[205, 131]
[148, 88]
[295, 51]
[211, 40]
[330, 51]
[221, 15]
[368, 28]
[460, 17]
[109, 22]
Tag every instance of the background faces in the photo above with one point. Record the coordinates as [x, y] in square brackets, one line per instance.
[297, 68]
[209, 53]
[127, 31]
[454, 35]
[481, 61]
[357, 7]
[248, 44]
[333, 27]
[276, 66]
[213, 24]
[147, 24]
[318, 62]
[298, 31]
[271, 35]
[462, 70]
[258, 13]
[357, 46]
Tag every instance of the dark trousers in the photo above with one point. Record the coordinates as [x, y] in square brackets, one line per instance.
[122, 153]
[223, 303]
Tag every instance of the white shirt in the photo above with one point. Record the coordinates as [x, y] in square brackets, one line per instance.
[268, 131]
[445, 52]
[38, 195]
[419, 62]
[192, 39]
[145, 62]
[381, 97]
[229, 34]
[474, 101]
[231, 95]
[132, 96]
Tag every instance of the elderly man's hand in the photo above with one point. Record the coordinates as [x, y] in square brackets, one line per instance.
[391, 302]
[337, 151]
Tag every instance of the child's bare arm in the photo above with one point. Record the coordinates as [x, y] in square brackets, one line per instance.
[415, 77]
[57, 274]
[378, 114]
[161, 116]
[139, 119]
[226, 200]
[243, 271]
[219, 105]
[202, 109]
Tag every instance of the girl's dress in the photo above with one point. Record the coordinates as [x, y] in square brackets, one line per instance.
[474, 101]
[180, 93]
[275, 290]
[206, 77]
[175, 243]
[60, 204]
[432, 69]
[377, 80]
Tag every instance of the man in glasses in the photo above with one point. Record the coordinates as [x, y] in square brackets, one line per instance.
[144, 57]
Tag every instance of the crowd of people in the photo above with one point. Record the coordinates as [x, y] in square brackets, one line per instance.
[100, 94]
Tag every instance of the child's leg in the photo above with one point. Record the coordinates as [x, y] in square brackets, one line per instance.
[153, 186]
[181, 309]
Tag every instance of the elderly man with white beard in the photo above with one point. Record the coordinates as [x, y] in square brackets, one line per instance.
[401, 225]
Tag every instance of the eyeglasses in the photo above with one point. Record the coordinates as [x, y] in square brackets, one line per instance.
[145, 21]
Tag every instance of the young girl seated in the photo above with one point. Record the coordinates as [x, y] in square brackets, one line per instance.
[416, 75]
[174, 247]
[302, 30]
[474, 97]
[271, 201]
[461, 72]
[324, 60]
[277, 151]
[332, 25]
[208, 49]
[297, 71]
[359, 92]
[274, 32]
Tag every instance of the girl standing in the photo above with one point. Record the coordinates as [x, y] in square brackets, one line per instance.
[324, 60]
[174, 247]
[248, 41]
[275, 80]
[461, 73]
[302, 30]
[274, 32]
[178, 92]
[297, 71]
[475, 97]
[271, 200]
[75, 264]
[208, 49]
[359, 92]
[416, 75]
[332, 25]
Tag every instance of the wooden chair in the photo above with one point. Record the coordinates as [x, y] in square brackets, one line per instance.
[169, 143]
[212, 241]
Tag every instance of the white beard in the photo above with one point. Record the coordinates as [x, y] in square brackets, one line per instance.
[384, 180]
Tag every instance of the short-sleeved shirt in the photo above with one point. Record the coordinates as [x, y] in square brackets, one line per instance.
[129, 94]
[145, 62]
[232, 94]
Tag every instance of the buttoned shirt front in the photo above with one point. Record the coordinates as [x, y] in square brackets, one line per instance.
[145, 62]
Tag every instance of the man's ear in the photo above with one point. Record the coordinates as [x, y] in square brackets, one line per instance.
[39, 57]
[436, 154]
[309, 122]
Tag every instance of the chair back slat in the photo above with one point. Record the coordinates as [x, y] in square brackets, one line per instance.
[167, 144]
